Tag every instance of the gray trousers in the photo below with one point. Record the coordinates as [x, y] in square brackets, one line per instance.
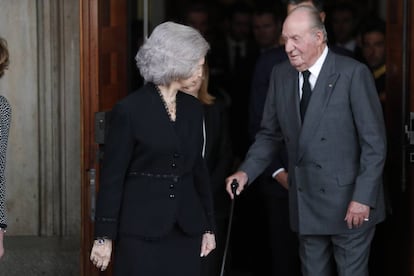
[349, 253]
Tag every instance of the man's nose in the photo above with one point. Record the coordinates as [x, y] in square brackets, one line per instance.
[289, 46]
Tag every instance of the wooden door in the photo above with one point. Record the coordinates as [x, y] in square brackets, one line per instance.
[399, 105]
[104, 52]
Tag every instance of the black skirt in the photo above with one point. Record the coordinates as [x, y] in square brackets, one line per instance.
[175, 254]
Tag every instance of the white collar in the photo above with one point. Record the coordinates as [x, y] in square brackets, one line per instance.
[315, 69]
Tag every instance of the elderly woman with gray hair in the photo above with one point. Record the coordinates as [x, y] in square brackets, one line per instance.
[154, 204]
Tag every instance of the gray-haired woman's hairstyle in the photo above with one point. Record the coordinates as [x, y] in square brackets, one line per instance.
[172, 52]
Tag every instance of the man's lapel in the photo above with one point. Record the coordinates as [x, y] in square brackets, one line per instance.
[320, 97]
[292, 99]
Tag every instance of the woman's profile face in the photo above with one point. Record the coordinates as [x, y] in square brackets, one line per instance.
[192, 84]
[193, 90]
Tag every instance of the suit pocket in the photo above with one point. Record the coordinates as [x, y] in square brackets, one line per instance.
[313, 178]
[347, 178]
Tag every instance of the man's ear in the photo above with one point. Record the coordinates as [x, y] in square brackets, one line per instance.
[319, 36]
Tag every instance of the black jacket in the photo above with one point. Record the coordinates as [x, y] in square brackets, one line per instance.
[153, 174]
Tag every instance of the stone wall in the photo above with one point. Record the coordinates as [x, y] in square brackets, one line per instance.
[42, 85]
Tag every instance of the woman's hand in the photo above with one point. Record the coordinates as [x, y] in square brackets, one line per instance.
[101, 253]
[208, 244]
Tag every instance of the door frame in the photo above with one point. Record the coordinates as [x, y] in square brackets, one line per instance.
[103, 81]
[89, 64]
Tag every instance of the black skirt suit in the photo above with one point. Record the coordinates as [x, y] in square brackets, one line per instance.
[154, 199]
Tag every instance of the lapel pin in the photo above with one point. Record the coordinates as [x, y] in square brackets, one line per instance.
[330, 85]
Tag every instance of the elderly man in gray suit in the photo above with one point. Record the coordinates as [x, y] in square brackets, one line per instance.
[326, 109]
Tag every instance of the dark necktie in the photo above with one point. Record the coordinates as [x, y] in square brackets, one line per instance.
[306, 93]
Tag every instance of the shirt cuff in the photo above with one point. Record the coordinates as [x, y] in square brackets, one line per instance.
[278, 171]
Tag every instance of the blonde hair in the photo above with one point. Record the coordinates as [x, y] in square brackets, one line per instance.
[203, 95]
[4, 56]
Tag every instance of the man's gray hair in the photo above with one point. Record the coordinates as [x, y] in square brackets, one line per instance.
[318, 4]
[172, 52]
[316, 22]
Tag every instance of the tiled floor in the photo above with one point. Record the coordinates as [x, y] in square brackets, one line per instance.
[32, 256]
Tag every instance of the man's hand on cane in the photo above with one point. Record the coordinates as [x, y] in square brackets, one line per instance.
[241, 178]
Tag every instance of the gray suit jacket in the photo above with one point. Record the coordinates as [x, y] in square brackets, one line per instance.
[336, 156]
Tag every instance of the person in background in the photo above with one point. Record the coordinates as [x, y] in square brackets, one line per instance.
[343, 20]
[335, 200]
[197, 16]
[373, 39]
[154, 203]
[231, 62]
[5, 119]
[218, 155]
[266, 27]
[373, 52]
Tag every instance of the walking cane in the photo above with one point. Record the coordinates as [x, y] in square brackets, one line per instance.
[234, 186]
